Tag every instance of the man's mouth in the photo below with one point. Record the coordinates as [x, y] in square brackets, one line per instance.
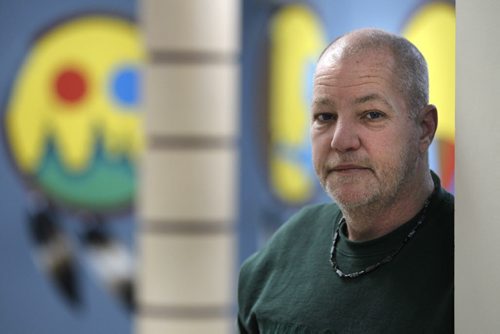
[347, 169]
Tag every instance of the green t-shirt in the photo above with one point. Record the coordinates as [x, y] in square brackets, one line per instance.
[290, 287]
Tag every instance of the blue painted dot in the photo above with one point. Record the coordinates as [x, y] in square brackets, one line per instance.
[125, 86]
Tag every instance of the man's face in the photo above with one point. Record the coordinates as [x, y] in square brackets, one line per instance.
[365, 145]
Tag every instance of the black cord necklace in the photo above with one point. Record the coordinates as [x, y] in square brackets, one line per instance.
[385, 260]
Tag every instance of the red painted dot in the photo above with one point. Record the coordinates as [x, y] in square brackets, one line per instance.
[70, 85]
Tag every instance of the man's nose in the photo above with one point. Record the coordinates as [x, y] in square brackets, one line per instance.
[345, 137]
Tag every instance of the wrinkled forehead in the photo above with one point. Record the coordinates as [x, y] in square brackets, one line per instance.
[337, 64]
[356, 76]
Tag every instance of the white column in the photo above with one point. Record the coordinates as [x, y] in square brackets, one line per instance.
[188, 192]
[477, 249]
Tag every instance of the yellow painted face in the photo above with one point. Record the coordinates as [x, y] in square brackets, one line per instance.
[296, 42]
[432, 30]
[72, 122]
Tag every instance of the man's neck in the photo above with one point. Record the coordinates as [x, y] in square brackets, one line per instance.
[377, 219]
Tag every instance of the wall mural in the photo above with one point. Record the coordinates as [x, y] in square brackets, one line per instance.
[432, 30]
[71, 123]
[291, 69]
[71, 133]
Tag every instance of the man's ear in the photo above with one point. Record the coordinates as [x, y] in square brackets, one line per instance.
[428, 122]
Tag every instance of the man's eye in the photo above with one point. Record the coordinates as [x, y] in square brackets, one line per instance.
[325, 117]
[374, 115]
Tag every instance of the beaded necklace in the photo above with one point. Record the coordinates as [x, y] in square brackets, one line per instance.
[385, 260]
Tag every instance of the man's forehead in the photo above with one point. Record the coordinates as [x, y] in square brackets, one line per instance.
[362, 69]
[355, 72]
[359, 99]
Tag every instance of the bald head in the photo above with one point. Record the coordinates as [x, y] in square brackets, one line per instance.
[409, 66]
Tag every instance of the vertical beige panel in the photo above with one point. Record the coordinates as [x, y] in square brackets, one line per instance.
[185, 270]
[180, 326]
[477, 242]
[189, 185]
[187, 25]
[172, 108]
[188, 175]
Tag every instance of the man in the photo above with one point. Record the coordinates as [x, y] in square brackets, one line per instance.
[379, 259]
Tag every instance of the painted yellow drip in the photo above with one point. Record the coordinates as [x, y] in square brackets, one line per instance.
[296, 40]
[432, 30]
[95, 45]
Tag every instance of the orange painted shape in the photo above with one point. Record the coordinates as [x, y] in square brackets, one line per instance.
[447, 157]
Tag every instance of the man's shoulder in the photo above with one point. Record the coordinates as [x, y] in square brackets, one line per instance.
[300, 229]
[443, 202]
[287, 247]
[445, 206]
